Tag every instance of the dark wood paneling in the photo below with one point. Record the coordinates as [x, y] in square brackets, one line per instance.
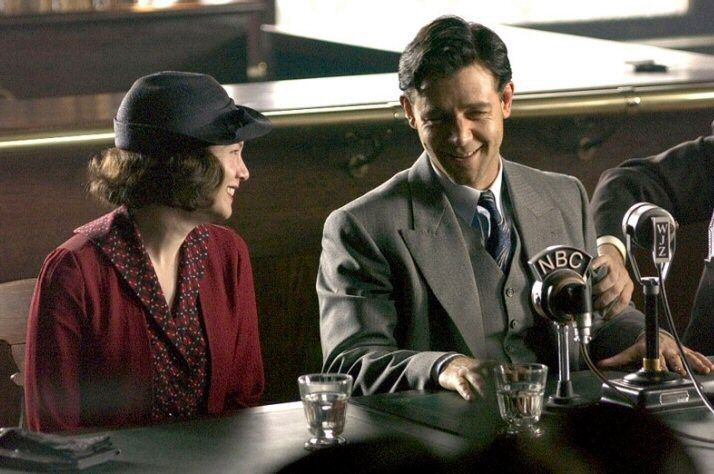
[295, 181]
[9, 392]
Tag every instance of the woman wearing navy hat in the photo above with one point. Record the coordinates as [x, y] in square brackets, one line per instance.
[148, 313]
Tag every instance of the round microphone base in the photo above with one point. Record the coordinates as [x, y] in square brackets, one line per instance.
[647, 378]
[565, 398]
[556, 403]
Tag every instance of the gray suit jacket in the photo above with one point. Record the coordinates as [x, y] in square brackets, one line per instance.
[396, 287]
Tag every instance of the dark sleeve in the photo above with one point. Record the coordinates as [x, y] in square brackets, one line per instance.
[52, 350]
[613, 336]
[678, 180]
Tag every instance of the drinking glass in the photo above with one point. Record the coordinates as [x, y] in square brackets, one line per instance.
[519, 390]
[324, 398]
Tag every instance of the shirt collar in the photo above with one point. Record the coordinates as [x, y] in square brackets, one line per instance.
[117, 237]
[464, 199]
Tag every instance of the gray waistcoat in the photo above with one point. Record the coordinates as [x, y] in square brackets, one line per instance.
[513, 331]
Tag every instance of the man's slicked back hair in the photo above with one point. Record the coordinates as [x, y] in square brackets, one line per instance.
[448, 44]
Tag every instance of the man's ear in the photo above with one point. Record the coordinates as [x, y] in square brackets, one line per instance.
[507, 99]
[408, 110]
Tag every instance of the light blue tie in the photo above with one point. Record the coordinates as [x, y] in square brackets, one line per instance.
[498, 242]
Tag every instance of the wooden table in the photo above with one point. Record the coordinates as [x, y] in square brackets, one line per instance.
[263, 439]
[257, 440]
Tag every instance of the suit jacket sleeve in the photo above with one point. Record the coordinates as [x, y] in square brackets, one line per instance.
[678, 180]
[613, 336]
[358, 313]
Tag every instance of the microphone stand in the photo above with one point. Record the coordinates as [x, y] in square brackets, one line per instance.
[651, 372]
[564, 396]
[562, 295]
[652, 387]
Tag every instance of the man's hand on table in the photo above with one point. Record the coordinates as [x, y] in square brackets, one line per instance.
[613, 293]
[669, 357]
[465, 375]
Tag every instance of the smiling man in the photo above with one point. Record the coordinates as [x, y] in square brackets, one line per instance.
[423, 281]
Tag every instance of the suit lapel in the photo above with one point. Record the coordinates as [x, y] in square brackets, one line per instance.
[436, 244]
[535, 215]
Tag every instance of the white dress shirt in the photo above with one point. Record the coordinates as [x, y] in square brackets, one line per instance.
[464, 199]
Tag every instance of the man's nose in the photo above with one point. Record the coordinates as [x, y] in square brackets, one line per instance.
[460, 131]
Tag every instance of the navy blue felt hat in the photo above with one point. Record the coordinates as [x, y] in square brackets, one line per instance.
[170, 110]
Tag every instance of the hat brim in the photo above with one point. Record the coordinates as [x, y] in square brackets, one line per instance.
[238, 123]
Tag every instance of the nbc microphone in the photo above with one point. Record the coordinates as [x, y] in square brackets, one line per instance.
[562, 292]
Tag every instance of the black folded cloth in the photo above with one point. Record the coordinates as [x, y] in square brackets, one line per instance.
[24, 449]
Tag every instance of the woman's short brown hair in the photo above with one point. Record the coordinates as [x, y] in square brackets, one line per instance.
[185, 180]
